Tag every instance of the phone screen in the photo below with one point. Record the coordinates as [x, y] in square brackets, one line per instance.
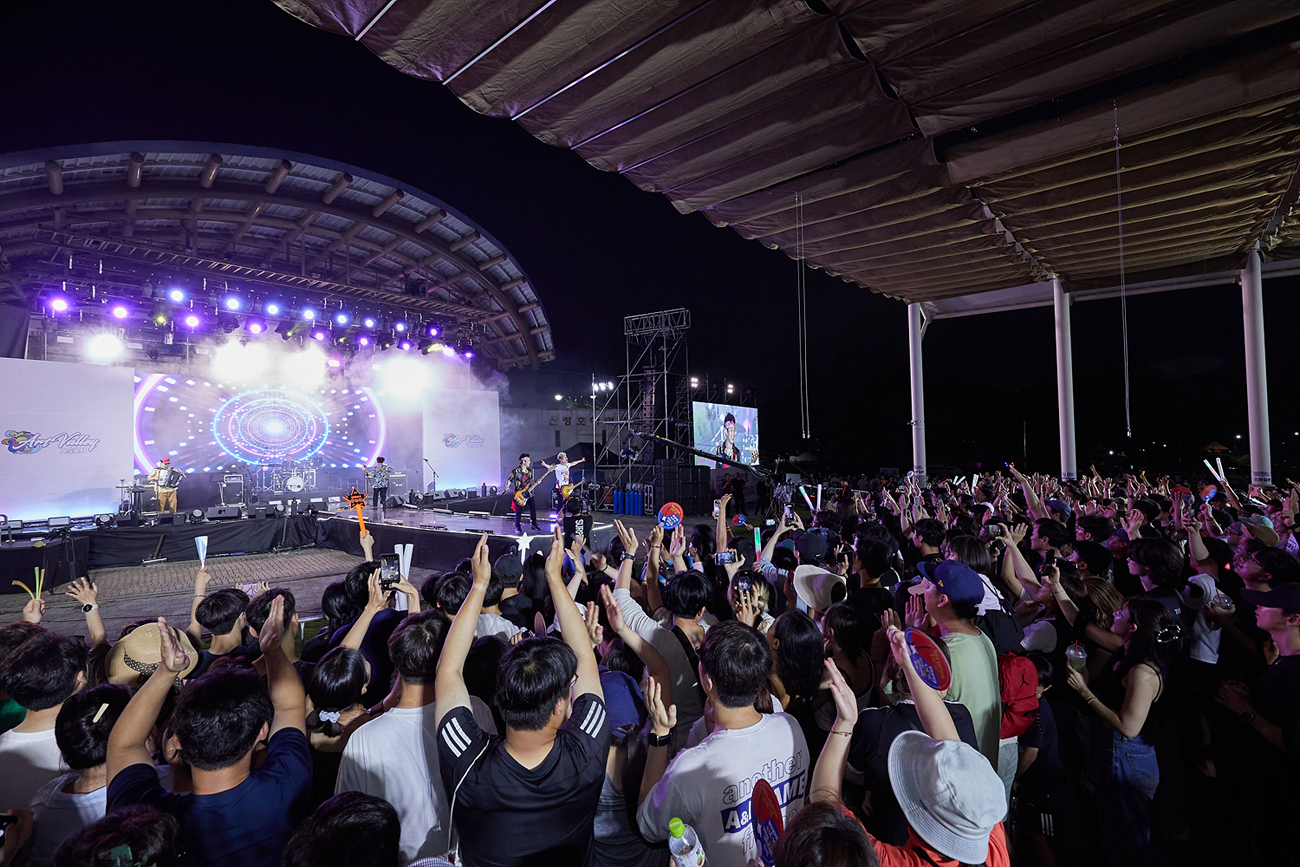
[723, 557]
[390, 570]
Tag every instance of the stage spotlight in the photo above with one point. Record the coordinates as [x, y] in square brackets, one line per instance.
[341, 318]
[192, 320]
[731, 389]
[385, 342]
[233, 302]
[120, 312]
[335, 362]
[196, 516]
[426, 346]
[695, 382]
[399, 327]
[449, 351]
[284, 329]
[105, 521]
[160, 313]
[228, 321]
[59, 304]
[319, 333]
[469, 352]
[308, 314]
[152, 352]
[176, 295]
[254, 325]
[273, 309]
[368, 322]
[463, 348]
[363, 341]
[559, 397]
[404, 345]
[104, 347]
[610, 386]
[433, 331]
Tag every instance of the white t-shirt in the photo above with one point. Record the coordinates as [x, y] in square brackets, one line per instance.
[28, 760]
[494, 624]
[395, 758]
[709, 786]
[561, 474]
[1205, 637]
[686, 693]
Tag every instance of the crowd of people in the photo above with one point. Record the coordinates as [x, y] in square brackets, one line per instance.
[1110, 645]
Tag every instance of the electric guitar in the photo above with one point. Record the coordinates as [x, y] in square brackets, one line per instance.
[567, 490]
[521, 495]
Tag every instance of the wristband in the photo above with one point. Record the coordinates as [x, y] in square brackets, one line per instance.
[628, 556]
[655, 740]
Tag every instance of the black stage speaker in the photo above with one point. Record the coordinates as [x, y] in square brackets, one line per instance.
[223, 513]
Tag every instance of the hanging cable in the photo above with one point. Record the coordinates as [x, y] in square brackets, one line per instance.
[1123, 293]
[801, 298]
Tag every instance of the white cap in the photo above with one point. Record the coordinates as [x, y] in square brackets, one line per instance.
[949, 792]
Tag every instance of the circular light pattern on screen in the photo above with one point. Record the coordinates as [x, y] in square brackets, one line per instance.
[270, 425]
[211, 426]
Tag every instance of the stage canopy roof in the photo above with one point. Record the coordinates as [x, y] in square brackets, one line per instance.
[118, 217]
[925, 149]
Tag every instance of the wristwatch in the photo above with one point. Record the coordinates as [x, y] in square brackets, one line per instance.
[660, 740]
[628, 556]
[89, 607]
[1246, 716]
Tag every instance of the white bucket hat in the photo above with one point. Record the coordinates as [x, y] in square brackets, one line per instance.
[815, 586]
[949, 792]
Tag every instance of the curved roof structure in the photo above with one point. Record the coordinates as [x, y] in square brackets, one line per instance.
[926, 149]
[125, 213]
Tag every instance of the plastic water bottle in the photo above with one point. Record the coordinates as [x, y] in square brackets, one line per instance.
[685, 845]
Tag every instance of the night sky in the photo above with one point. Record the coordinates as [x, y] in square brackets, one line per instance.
[596, 248]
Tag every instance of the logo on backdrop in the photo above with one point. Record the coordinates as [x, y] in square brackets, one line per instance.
[22, 442]
[454, 441]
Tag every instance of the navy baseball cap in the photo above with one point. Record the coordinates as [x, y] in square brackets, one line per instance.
[954, 579]
[1285, 596]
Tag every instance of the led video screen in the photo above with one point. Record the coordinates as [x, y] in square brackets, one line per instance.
[722, 429]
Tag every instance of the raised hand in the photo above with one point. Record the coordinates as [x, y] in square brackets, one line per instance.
[33, 611]
[916, 612]
[677, 545]
[378, 594]
[554, 560]
[627, 537]
[595, 631]
[743, 605]
[483, 565]
[846, 703]
[83, 591]
[273, 629]
[662, 720]
[656, 536]
[176, 660]
[613, 613]
[732, 568]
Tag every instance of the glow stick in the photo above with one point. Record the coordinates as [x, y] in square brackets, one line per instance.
[974, 482]
[1217, 477]
[40, 580]
[25, 587]
[805, 497]
[201, 543]
[819, 496]
[1222, 475]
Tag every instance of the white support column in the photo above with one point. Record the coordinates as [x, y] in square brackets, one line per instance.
[1064, 381]
[1252, 310]
[915, 331]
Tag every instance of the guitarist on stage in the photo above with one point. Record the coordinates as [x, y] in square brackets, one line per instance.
[561, 469]
[521, 481]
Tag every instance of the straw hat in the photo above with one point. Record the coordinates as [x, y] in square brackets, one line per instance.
[135, 657]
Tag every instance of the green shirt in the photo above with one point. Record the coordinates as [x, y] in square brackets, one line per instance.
[975, 685]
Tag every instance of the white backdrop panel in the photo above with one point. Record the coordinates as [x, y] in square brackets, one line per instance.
[462, 437]
[65, 437]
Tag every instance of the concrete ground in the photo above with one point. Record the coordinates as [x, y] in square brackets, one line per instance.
[132, 593]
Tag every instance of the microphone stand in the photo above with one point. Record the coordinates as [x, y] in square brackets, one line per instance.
[433, 481]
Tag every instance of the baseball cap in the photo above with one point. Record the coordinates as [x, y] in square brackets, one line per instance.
[949, 793]
[623, 699]
[164, 460]
[1266, 535]
[510, 568]
[1284, 596]
[954, 579]
[810, 545]
[816, 587]
[1060, 506]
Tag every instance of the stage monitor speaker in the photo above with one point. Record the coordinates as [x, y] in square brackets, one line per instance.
[223, 513]
[393, 503]
[170, 518]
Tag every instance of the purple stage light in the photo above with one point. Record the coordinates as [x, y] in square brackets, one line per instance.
[363, 341]
[318, 334]
[399, 326]
[255, 327]
[192, 321]
[405, 344]
[121, 312]
[469, 353]
[59, 305]
[433, 331]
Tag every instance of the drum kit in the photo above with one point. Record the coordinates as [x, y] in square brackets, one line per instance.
[287, 477]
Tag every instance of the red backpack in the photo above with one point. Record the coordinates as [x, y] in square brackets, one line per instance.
[1019, 679]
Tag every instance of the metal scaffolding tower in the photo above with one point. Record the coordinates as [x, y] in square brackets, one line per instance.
[649, 400]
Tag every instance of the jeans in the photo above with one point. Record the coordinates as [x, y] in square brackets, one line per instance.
[1008, 761]
[1127, 778]
[380, 494]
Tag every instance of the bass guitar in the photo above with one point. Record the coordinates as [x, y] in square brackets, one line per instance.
[521, 495]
